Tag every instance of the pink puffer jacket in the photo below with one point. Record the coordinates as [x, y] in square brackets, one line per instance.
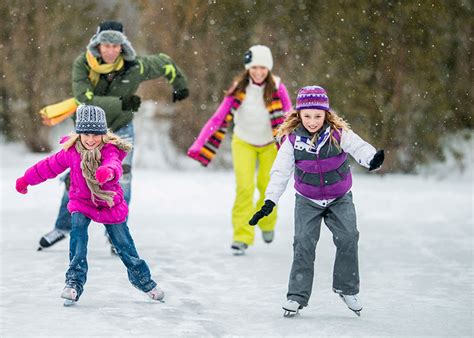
[79, 193]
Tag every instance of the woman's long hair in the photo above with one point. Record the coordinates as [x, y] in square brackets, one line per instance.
[293, 120]
[91, 160]
[242, 80]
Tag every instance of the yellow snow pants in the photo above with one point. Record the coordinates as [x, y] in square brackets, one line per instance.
[245, 157]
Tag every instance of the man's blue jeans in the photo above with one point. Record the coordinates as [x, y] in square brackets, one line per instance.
[76, 275]
[63, 222]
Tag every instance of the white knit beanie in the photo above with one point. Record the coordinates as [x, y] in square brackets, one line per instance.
[258, 55]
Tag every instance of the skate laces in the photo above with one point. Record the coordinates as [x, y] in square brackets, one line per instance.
[352, 301]
[353, 298]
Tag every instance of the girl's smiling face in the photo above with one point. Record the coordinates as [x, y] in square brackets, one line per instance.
[312, 119]
[91, 141]
[258, 74]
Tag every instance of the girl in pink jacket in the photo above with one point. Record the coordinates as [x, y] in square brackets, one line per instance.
[94, 157]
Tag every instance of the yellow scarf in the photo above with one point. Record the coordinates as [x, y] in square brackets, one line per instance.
[56, 113]
[97, 68]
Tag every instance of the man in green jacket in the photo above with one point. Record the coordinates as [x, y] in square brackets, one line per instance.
[108, 75]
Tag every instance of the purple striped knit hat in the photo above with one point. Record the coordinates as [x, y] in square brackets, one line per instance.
[312, 97]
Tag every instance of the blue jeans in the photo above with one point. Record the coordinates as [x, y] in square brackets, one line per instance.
[63, 222]
[76, 275]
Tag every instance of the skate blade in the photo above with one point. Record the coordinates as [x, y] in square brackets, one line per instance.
[357, 312]
[162, 301]
[289, 314]
[238, 252]
[39, 248]
[69, 302]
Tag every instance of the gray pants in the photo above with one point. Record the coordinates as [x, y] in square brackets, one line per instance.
[340, 218]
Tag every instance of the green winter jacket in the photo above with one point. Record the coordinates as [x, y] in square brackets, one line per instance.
[125, 82]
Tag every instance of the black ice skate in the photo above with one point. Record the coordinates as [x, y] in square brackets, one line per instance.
[51, 238]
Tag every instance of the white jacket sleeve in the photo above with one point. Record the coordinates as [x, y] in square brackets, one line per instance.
[281, 172]
[353, 144]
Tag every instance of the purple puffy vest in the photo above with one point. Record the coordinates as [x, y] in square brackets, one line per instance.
[322, 170]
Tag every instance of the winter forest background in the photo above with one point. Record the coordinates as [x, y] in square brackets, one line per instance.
[399, 72]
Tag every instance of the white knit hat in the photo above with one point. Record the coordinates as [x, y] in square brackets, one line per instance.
[258, 55]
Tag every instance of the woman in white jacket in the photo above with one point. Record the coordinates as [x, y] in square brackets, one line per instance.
[315, 147]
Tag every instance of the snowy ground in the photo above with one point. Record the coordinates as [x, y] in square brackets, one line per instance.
[416, 262]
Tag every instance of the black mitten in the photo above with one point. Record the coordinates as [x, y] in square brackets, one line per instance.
[377, 161]
[131, 102]
[180, 94]
[266, 210]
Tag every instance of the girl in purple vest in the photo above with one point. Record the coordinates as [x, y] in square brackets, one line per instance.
[315, 146]
[94, 157]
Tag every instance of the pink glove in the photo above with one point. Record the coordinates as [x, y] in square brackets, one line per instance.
[21, 185]
[104, 174]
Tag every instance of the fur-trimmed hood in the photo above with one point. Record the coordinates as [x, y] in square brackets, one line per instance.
[115, 37]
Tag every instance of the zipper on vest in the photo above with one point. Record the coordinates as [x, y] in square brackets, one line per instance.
[320, 176]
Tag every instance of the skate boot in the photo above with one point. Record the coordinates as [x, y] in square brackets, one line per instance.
[352, 301]
[268, 236]
[238, 248]
[51, 238]
[70, 296]
[291, 308]
[156, 294]
[113, 250]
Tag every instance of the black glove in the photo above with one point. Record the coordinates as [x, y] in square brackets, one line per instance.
[377, 161]
[266, 210]
[131, 102]
[180, 94]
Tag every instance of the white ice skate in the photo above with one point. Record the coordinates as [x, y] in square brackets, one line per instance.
[352, 301]
[291, 308]
[69, 295]
[238, 248]
[156, 294]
